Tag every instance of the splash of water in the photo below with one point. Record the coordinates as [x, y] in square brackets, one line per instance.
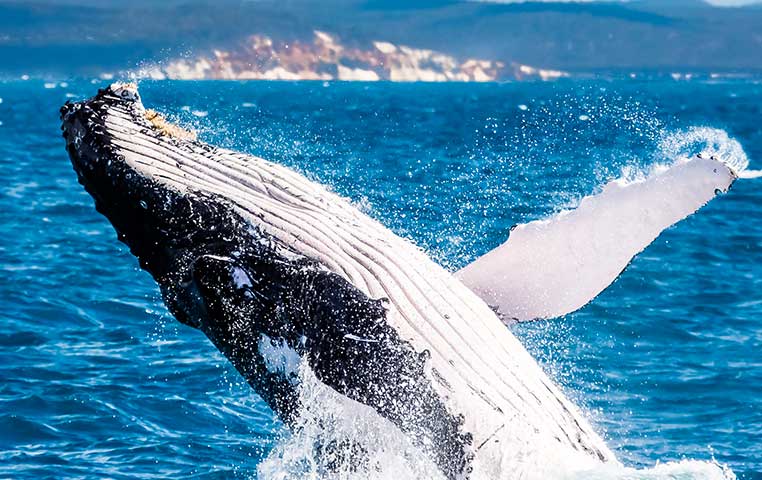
[335, 438]
[707, 141]
[678, 146]
[682, 470]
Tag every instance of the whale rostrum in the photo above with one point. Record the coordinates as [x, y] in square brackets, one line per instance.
[258, 257]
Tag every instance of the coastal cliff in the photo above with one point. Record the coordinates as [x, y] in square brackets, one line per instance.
[326, 58]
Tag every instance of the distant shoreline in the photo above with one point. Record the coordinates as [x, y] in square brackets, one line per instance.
[53, 80]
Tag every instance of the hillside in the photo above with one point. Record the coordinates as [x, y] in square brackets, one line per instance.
[90, 37]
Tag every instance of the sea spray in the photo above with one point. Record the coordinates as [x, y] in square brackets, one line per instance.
[706, 141]
[682, 470]
[674, 147]
[336, 438]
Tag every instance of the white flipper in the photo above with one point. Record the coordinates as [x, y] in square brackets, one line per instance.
[548, 268]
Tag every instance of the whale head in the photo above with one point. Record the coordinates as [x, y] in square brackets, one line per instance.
[217, 272]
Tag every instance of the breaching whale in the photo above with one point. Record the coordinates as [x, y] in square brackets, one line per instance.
[261, 259]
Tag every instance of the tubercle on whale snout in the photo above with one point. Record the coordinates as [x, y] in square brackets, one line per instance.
[223, 275]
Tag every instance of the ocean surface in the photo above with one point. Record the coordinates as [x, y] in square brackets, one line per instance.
[99, 381]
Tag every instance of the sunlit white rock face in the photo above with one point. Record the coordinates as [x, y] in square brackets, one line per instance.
[326, 58]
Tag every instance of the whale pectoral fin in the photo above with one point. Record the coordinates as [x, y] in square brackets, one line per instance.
[548, 268]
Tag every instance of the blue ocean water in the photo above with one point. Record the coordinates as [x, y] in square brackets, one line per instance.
[99, 381]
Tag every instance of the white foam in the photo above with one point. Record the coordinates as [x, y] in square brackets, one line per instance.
[750, 174]
[682, 470]
[708, 142]
[337, 438]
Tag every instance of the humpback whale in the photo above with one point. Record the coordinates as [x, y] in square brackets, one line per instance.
[264, 261]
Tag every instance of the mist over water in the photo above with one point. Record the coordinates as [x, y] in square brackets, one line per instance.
[100, 381]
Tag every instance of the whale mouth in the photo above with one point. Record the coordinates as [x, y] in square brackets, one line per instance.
[94, 151]
[137, 205]
[168, 227]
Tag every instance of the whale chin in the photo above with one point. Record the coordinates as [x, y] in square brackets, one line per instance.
[263, 260]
